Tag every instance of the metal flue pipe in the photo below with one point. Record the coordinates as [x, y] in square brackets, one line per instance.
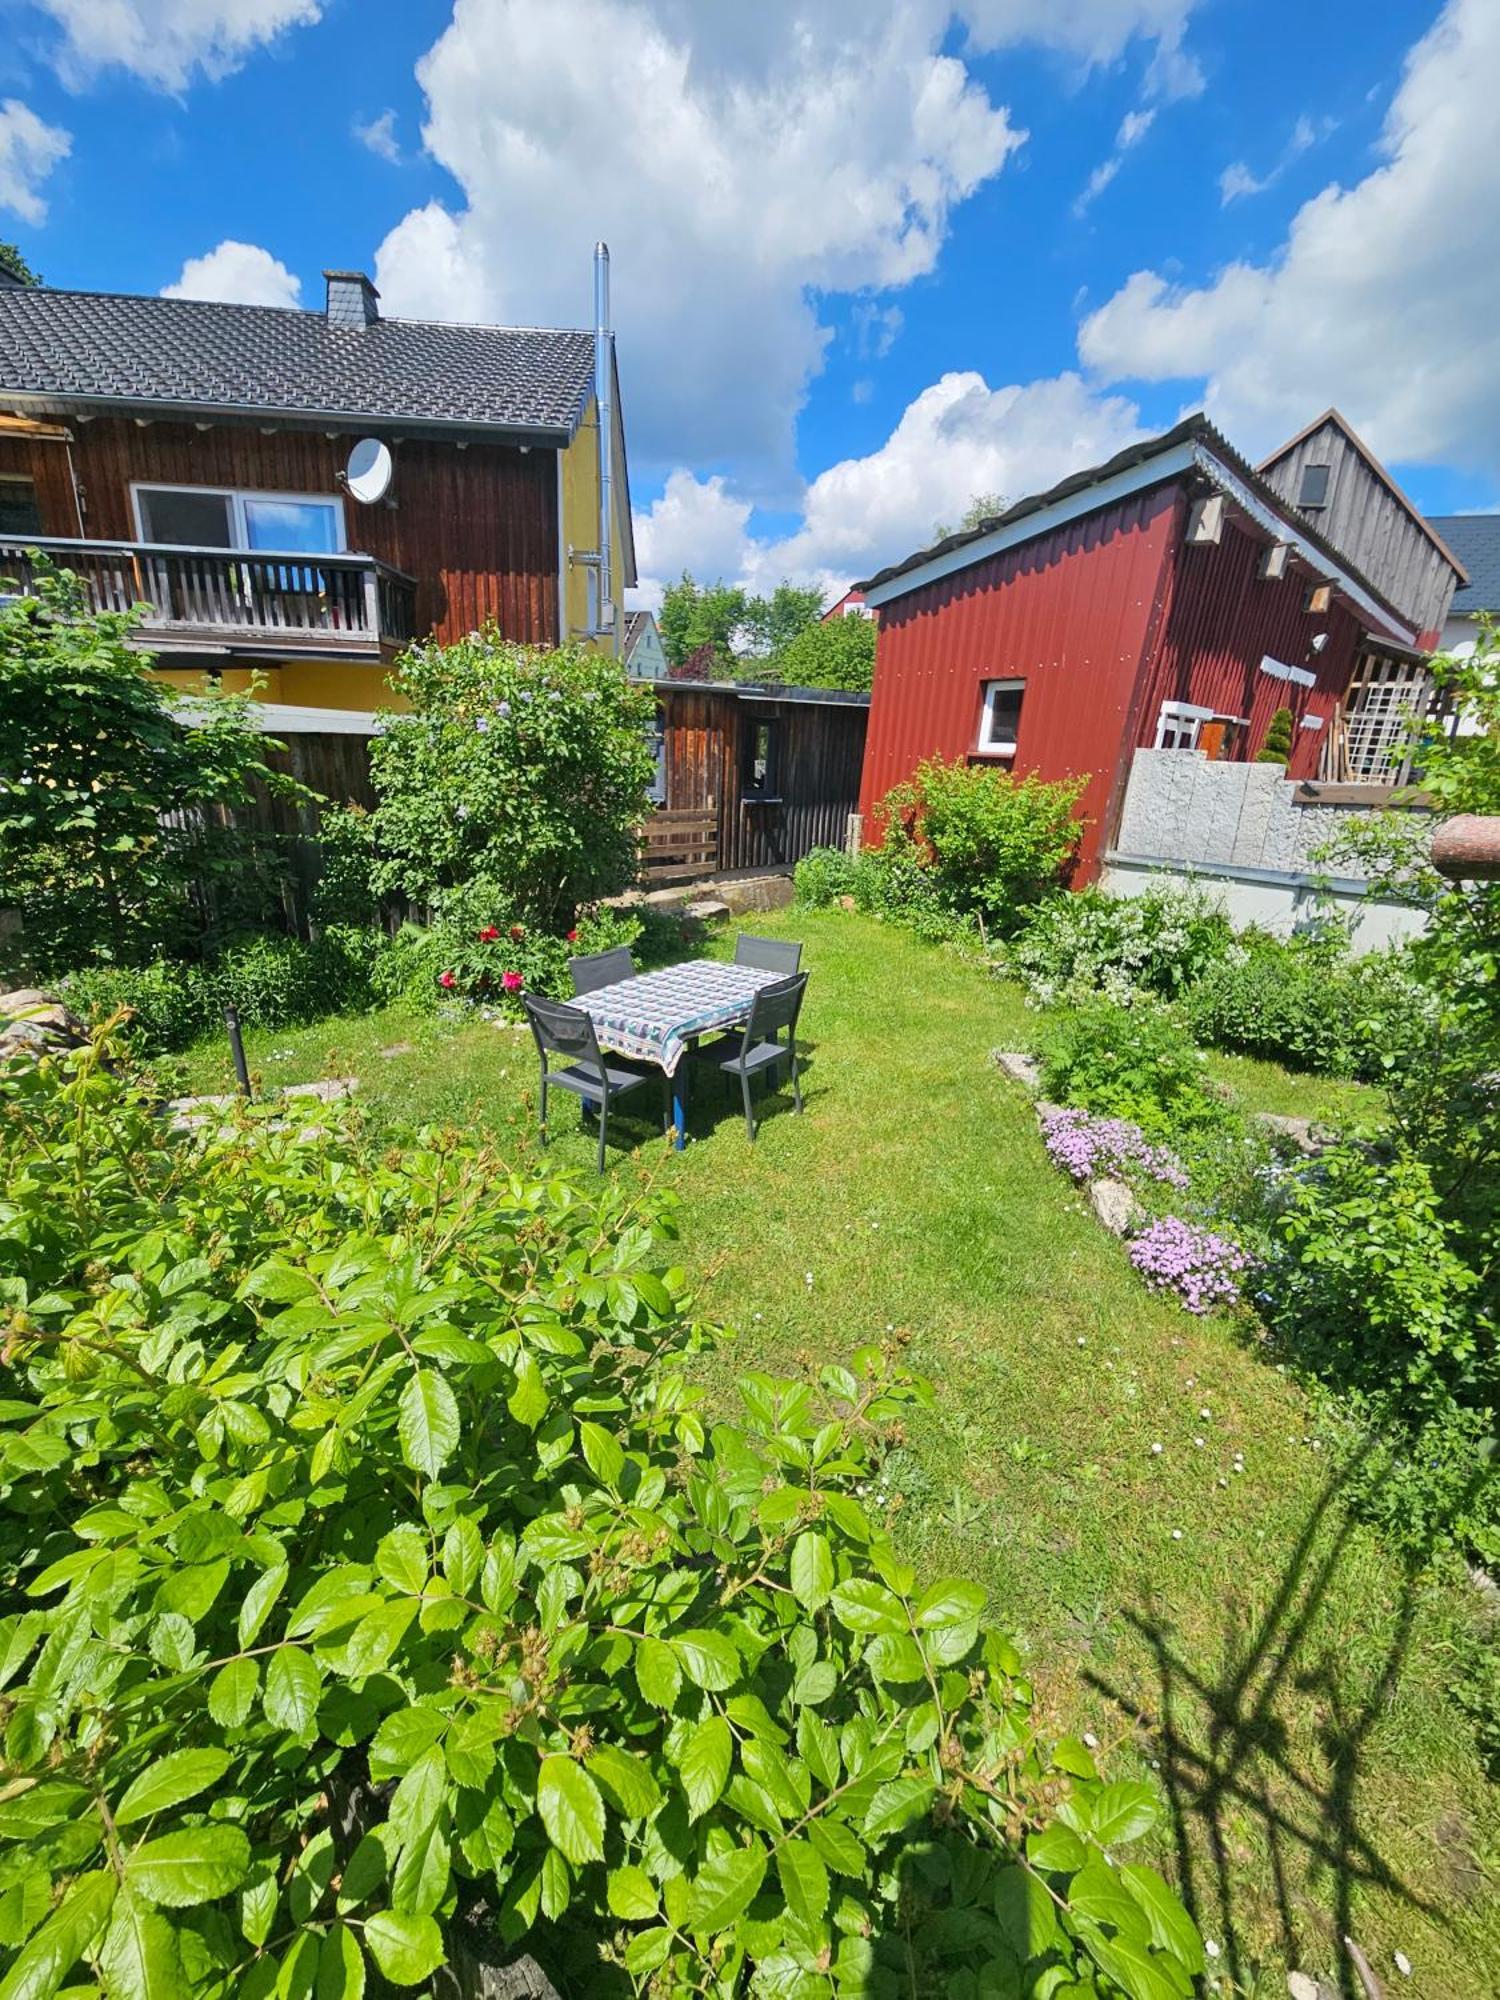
[604, 407]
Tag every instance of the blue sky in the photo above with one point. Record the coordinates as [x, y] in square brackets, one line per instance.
[871, 256]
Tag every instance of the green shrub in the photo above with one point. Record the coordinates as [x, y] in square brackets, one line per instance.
[518, 768]
[822, 876]
[1305, 1002]
[1132, 1062]
[477, 951]
[986, 844]
[345, 890]
[275, 981]
[1276, 747]
[1072, 947]
[382, 1595]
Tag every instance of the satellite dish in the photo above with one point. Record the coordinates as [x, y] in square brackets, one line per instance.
[368, 473]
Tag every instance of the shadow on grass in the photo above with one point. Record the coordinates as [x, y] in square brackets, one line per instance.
[1226, 1755]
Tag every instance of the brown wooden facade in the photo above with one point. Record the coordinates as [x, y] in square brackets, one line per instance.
[806, 748]
[475, 526]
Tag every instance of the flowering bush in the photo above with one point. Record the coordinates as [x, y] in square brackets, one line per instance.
[1072, 948]
[1132, 1062]
[1202, 1267]
[492, 962]
[1084, 1146]
[520, 771]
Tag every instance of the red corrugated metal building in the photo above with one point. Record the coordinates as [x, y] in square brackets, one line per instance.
[1168, 598]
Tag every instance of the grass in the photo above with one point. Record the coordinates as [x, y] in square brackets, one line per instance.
[1279, 1673]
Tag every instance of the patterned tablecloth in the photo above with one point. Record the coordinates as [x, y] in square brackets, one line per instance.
[656, 1014]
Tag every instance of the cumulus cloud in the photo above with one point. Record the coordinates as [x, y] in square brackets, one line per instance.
[378, 135]
[765, 156]
[957, 438]
[236, 274]
[1381, 299]
[167, 42]
[29, 149]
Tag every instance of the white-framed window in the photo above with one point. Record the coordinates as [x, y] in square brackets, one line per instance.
[223, 517]
[1000, 718]
[1178, 724]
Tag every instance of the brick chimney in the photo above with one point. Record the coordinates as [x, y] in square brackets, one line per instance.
[352, 299]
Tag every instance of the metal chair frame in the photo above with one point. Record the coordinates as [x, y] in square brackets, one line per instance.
[601, 968]
[774, 1007]
[558, 1029]
[770, 954]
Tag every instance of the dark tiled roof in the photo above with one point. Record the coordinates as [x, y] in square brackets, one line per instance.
[1196, 429]
[1475, 540]
[109, 348]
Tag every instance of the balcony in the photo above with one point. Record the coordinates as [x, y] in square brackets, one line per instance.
[233, 600]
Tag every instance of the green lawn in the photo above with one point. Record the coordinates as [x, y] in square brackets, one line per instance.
[1278, 1672]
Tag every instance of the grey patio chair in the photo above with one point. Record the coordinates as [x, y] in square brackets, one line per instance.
[601, 968]
[770, 954]
[760, 1052]
[559, 1030]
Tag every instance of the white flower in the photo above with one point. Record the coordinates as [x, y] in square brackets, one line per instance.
[1210, 1947]
[1205, 1412]
[1177, 1534]
[1199, 1443]
[1403, 1965]
[1155, 1449]
[1081, 1341]
[1091, 1741]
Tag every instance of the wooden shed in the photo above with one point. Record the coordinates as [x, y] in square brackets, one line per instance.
[778, 768]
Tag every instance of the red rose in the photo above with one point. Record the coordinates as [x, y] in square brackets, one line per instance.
[446, 979]
[572, 937]
[511, 981]
[518, 931]
[488, 934]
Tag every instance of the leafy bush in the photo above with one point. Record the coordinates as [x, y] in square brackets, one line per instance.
[822, 876]
[1289, 1000]
[889, 883]
[1072, 947]
[1132, 1062]
[274, 981]
[388, 1602]
[520, 771]
[988, 844]
[117, 834]
[345, 891]
[475, 951]
[1276, 746]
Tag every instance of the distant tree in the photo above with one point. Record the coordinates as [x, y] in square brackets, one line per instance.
[702, 664]
[695, 615]
[837, 654]
[981, 508]
[11, 260]
[771, 623]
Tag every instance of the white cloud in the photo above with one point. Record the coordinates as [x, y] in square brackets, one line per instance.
[1133, 128]
[1237, 180]
[237, 274]
[741, 161]
[956, 439]
[876, 329]
[165, 42]
[29, 150]
[379, 135]
[1382, 299]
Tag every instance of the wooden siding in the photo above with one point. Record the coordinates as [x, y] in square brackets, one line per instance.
[1073, 614]
[820, 750]
[1364, 519]
[476, 528]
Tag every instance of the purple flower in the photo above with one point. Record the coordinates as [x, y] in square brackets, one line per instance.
[503, 710]
[482, 725]
[1198, 1264]
[1083, 1146]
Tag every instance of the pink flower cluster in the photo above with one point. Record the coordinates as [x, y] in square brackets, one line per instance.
[1083, 1146]
[1199, 1265]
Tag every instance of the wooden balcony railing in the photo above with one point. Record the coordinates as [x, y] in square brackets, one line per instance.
[349, 604]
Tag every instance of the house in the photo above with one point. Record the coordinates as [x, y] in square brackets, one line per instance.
[1475, 541]
[641, 648]
[299, 493]
[851, 605]
[772, 772]
[1171, 598]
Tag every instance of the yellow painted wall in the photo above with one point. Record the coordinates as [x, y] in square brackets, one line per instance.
[580, 525]
[301, 683]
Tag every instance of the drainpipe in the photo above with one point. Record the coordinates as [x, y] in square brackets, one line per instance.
[604, 406]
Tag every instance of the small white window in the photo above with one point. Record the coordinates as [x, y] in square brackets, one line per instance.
[1178, 724]
[1000, 718]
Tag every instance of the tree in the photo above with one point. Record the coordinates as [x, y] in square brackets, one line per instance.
[772, 623]
[982, 507]
[518, 780]
[695, 615]
[12, 261]
[117, 835]
[838, 653]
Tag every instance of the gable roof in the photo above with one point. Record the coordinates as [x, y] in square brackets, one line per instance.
[75, 350]
[1341, 423]
[1192, 445]
[1475, 539]
[636, 623]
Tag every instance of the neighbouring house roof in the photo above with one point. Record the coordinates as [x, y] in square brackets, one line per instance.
[637, 624]
[1193, 444]
[1475, 540]
[1341, 422]
[72, 350]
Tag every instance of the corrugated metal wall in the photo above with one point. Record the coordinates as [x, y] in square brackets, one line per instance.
[819, 753]
[1073, 614]
[1224, 618]
[477, 528]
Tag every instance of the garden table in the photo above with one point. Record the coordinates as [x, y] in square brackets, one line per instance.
[658, 1015]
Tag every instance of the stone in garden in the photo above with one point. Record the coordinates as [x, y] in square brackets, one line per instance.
[1303, 1133]
[1019, 1067]
[329, 1091]
[1115, 1206]
[33, 1023]
[707, 910]
[846, 903]
[1302, 1986]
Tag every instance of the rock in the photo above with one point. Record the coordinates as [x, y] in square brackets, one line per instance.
[1302, 1986]
[1115, 1206]
[707, 910]
[1303, 1133]
[1020, 1068]
[757, 892]
[846, 902]
[398, 1049]
[33, 1023]
[327, 1092]
[1044, 1110]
